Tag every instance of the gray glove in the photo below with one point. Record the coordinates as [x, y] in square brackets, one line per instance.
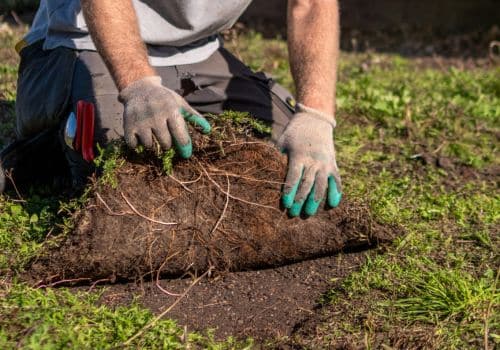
[152, 109]
[312, 168]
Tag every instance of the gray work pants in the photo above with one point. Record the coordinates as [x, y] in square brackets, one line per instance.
[51, 82]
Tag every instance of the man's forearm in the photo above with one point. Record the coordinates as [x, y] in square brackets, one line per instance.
[313, 43]
[114, 28]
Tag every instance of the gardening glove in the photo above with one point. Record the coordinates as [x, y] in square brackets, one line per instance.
[152, 109]
[312, 168]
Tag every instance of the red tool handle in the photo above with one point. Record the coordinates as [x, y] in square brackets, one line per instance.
[80, 106]
[85, 118]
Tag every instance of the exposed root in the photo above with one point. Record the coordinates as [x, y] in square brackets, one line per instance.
[180, 183]
[219, 172]
[234, 197]
[160, 316]
[99, 197]
[64, 281]
[144, 216]
[223, 210]
[158, 276]
[102, 280]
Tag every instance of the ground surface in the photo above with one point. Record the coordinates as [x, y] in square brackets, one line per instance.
[417, 142]
[267, 304]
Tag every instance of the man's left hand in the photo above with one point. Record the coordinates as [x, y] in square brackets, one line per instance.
[312, 168]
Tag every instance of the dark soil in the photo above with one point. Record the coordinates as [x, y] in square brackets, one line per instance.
[227, 218]
[269, 304]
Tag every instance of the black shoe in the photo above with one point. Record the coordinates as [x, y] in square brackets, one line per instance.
[31, 162]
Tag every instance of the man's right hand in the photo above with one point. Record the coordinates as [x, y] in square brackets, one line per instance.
[154, 110]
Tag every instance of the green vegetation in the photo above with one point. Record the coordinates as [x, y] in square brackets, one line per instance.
[417, 143]
[24, 227]
[108, 161]
[58, 319]
[398, 125]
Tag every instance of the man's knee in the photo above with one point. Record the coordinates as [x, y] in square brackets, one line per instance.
[43, 89]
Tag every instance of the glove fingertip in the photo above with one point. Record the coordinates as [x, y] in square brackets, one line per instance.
[205, 126]
[334, 196]
[287, 200]
[185, 151]
[311, 207]
[288, 197]
[295, 209]
[193, 117]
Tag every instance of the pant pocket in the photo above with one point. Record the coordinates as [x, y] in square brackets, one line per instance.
[43, 88]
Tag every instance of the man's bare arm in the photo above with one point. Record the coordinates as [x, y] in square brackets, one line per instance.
[114, 28]
[313, 42]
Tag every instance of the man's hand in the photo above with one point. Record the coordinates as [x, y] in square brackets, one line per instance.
[313, 43]
[312, 168]
[153, 110]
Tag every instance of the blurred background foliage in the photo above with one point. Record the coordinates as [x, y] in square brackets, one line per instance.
[18, 5]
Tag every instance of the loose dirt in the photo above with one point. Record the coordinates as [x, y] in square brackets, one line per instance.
[218, 211]
[269, 305]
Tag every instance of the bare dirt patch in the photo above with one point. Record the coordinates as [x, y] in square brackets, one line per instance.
[218, 211]
[267, 305]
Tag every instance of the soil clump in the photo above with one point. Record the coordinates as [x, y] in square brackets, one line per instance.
[268, 305]
[218, 211]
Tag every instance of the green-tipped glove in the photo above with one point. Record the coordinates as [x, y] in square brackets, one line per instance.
[312, 168]
[152, 109]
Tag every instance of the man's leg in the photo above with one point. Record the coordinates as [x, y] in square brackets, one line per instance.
[222, 82]
[219, 83]
[43, 88]
[93, 83]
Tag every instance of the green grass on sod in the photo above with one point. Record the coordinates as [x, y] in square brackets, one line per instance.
[418, 144]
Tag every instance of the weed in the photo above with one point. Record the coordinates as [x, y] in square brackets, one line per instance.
[167, 161]
[243, 120]
[24, 227]
[108, 161]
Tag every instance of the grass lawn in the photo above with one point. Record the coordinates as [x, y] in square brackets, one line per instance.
[416, 140]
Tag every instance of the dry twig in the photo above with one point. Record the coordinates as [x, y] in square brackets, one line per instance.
[18, 19]
[8, 175]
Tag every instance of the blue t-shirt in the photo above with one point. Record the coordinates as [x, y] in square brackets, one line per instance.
[175, 31]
